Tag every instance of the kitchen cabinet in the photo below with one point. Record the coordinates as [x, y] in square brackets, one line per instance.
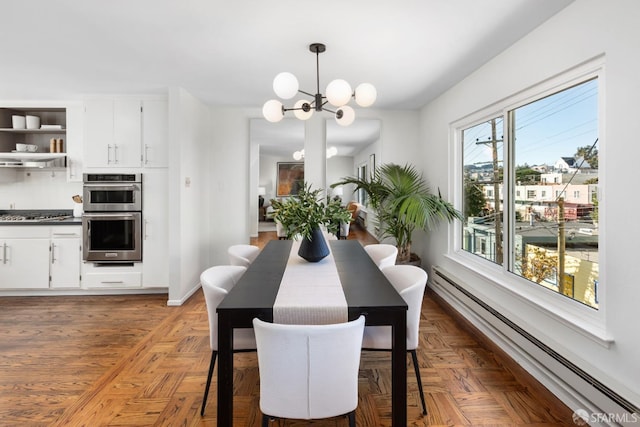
[155, 229]
[111, 276]
[112, 132]
[40, 257]
[155, 128]
[75, 152]
[24, 262]
[125, 132]
[66, 257]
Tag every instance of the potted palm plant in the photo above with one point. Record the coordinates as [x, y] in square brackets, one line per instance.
[304, 214]
[403, 203]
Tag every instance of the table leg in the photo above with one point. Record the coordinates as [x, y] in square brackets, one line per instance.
[225, 371]
[399, 370]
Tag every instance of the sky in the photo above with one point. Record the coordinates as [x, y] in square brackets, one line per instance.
[545, 130]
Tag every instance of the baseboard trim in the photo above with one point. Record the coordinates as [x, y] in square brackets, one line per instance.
[179, 302]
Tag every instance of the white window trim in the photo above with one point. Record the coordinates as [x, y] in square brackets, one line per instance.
[583, 319]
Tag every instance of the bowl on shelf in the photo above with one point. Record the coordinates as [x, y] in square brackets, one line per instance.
[21, 147]
[18, 122]
[32, 148]
[32, 122]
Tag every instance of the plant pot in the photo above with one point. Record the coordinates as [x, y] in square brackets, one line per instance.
[315, 249]
[413, 260]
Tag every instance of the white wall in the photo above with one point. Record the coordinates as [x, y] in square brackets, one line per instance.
[229, 192]
[584, 30]
[339, 167]
[190, 133]
[36, 189]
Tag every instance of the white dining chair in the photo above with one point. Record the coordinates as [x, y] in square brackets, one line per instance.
[216, 283]
[281, 233]
[308, 371]
[410, 282]
[242, 254]
[382, 254]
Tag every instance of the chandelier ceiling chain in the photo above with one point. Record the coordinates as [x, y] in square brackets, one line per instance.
[338, 94]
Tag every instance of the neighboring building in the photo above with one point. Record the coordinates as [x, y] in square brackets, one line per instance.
[541, 200]
[571, 165]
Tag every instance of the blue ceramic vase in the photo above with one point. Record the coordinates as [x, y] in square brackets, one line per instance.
[314, 249]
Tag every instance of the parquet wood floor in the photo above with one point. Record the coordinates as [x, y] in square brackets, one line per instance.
[133, 361]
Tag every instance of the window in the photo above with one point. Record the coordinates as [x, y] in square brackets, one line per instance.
[549, 241]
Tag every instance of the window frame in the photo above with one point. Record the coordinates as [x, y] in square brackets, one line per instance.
[583, 319]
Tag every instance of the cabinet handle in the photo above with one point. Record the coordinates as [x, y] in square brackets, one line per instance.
[53, 253]
[146, 154]
[145, 235]
[115, 153]
[4, 253]
[65, 234]
[112, 281]
[108, 154]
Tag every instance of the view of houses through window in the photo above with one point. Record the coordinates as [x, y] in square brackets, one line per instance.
[530, 191]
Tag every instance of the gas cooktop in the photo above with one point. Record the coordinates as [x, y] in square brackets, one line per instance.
[33, 216]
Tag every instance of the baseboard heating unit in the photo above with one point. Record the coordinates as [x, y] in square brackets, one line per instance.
[442, 278]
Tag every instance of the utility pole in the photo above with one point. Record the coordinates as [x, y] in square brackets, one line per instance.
[562, 285]
[496, 190]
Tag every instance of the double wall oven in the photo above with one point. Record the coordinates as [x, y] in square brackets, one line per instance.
[112, 219]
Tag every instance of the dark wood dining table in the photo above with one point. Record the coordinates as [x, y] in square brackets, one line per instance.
[367, 292]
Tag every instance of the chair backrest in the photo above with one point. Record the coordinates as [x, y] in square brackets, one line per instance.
[382, 254]
[216, 283]
[242, 254]
[280, 230]
[308, 371]
[410, 282]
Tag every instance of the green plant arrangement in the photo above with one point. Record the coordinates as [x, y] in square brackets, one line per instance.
[403, 203]
[307, 211]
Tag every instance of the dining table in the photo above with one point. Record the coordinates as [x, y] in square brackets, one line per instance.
[366, 291]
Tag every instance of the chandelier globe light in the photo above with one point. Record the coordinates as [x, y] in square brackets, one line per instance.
[285, 85]
[331, 151]
[338, 94]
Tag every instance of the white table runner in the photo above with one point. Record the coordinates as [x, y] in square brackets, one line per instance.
[310, 292]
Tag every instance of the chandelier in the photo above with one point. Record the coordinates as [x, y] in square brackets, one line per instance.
[338, 94]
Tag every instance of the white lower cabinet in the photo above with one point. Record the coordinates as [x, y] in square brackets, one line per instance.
[66, 254]
[24, 263]
[111, 276]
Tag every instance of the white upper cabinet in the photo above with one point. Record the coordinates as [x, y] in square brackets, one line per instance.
[125, 132]
[75, 131]
[155, 127]
[112, 132]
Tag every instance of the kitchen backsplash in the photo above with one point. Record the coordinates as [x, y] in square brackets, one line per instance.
[36, 189]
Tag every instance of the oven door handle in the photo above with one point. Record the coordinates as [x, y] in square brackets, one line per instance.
[112, 187]
[108, 215]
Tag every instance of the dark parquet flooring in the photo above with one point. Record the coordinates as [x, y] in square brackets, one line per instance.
[133, 361]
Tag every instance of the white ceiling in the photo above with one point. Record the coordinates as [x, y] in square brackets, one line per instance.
[227, 52]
